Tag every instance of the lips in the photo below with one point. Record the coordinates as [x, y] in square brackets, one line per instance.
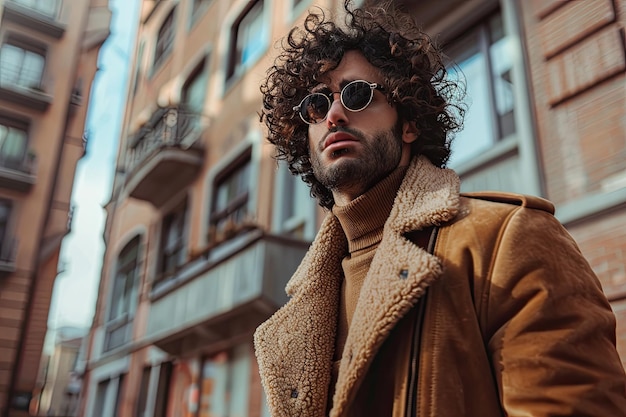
[335, 140]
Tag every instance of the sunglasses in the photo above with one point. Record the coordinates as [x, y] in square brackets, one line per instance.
[355, 96]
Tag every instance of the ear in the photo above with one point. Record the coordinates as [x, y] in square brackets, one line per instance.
[409, 132]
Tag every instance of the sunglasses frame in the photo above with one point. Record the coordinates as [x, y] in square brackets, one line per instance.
[329, 98]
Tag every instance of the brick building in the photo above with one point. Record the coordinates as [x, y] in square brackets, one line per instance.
[204, 230]
[557, 112]
[48, 53]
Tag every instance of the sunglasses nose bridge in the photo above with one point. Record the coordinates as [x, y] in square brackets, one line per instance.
[336, 114]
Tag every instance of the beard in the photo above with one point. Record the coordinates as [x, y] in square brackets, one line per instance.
[380, 155]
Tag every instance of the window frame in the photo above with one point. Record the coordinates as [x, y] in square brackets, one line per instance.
[235, 66]
[123, 320]
[23, 162]
[295, 10]
[481, 31]
[197, 8]
[26, 46]
[489, 170]
[37, 8]
[7, 243]
[198, 74]
[180, 212]
[165, 37]
[304, 220]
[226, 373]
[241, 201]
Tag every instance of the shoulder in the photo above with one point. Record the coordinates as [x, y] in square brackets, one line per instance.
[487, 215]
[512, 199]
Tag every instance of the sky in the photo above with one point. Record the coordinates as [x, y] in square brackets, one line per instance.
[76, 287]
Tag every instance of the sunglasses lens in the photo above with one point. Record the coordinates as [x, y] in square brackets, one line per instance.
[314, 108]
[356, 95]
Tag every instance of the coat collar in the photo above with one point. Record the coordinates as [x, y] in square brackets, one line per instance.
[295, 346]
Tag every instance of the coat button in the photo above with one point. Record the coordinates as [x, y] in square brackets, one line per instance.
[294, 393]
[404, 274]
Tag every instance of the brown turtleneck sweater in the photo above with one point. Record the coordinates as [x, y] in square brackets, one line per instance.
[362, 221]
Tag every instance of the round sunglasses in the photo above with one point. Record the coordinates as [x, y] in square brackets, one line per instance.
[355, 96]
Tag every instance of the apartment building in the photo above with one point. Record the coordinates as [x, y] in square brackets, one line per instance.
[48, 53]
[59, 383]
[204, 228]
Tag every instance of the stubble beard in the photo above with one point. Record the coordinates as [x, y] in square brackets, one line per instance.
[380, 155]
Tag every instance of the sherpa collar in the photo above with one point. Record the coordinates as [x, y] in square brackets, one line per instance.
[295, 346]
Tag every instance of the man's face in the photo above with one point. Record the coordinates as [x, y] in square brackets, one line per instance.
[352, 151]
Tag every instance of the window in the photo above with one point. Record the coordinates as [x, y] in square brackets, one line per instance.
[296, 7]
[239, 381]
[124, 296]
[165, 39]
[101, 392]
[225, 383]
[13, 141]
[124, 300]
[142, 399]
[138, 66]
[295, 208]
[173, 243]
[21, 65]
[194, 93]
[121, 387]
[485, 59]
[197, 6]
[229, 210]
[163, 389]
[297, 3]
[6, 245]
[249, 37]
[46, 7]
[107, 389]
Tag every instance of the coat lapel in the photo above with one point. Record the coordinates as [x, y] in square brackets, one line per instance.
[295, 346]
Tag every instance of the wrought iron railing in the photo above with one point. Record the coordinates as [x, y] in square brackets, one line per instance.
[169, 129]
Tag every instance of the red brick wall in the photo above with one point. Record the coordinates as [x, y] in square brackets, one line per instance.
[603, 242]
[577, 62]
[577, 65]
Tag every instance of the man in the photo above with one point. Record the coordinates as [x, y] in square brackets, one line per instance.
[414, 299]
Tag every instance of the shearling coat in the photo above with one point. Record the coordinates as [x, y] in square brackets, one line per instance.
[508, 317]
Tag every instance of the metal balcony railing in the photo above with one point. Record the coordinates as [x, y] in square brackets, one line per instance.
[172, 126]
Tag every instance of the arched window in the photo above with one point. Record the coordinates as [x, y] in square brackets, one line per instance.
[124, 296]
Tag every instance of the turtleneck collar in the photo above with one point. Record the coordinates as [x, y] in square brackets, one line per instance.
[362, 219]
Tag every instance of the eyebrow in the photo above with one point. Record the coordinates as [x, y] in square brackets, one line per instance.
[320, 88]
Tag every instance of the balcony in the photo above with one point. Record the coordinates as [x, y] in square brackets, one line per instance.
[39, 15]
[225, 296]
[18, 174]
[163, 157]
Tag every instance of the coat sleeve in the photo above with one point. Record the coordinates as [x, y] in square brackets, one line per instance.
[550, 329]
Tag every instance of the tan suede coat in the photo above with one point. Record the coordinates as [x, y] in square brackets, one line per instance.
[506, 317]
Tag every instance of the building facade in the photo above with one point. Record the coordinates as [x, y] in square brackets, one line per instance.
[59, 387]
[204, 228]
[48, 53]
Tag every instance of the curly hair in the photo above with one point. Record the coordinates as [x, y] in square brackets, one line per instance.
[415, 80]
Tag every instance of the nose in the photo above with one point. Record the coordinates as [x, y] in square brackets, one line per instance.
[337, 115]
